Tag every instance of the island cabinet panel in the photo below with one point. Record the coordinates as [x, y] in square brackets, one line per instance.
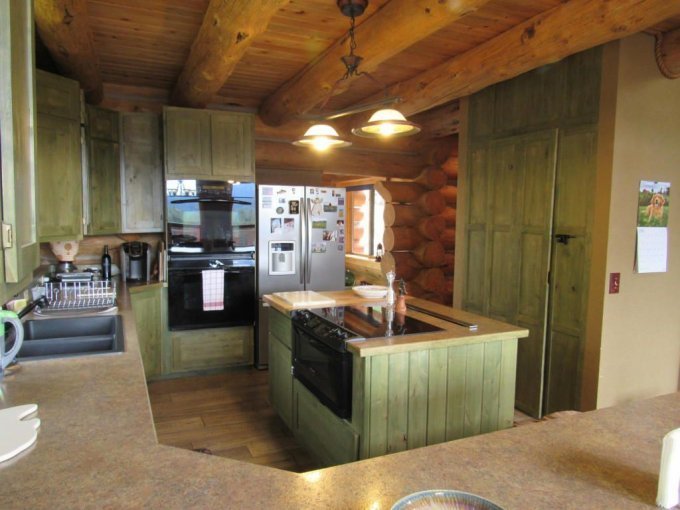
[281, 379]
[330, 439]
[412, 399]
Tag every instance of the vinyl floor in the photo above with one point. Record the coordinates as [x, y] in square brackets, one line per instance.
[227, 415]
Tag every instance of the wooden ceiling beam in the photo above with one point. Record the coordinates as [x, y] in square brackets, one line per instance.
[278, 155]
[668, 53]
[396, 26]
[64, 28]
[569, 28]
[227, 31]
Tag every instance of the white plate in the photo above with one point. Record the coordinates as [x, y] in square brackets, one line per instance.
[371, 291]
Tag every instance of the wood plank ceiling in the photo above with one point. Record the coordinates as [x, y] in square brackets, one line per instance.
[142, 47]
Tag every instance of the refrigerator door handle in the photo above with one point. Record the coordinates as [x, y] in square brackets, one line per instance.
[308, 228]
[303, 241]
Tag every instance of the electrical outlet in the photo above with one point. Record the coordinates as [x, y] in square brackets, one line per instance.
[614, 283]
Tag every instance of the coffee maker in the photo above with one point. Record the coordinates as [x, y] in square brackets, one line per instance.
[136, 261]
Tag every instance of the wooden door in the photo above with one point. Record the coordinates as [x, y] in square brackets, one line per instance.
[142, 173]
[104, 187]
[187, 143]
[509, 225]
[233, 150]
[59, 182]
[570, 267]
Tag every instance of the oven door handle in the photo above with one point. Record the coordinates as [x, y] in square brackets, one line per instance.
[198, 272]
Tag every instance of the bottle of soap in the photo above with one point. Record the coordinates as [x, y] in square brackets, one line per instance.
[106, 264]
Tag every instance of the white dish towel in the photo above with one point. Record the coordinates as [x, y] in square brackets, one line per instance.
[213, 289]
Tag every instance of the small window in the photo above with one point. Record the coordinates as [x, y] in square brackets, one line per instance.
[366, 224]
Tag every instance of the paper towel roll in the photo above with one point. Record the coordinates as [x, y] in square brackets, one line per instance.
[667, 495]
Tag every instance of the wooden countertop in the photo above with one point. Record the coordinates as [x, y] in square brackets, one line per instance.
[97, 448]
[452, 334]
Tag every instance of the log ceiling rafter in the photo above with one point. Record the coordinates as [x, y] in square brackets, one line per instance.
[396, 26]
[668, 53]
[227, 31]
[64, 27]
[567, 29]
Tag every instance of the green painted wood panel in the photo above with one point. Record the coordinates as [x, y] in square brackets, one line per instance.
[233, 145]
[57, 95]
[397, 401]
[436, 397]
[104, 187]
[59, 174]
[418, 399]
[142, 195]
[474, 386]
[491, 386]
[281, 326]
[506, 392]
[455, 392]
[103, 124]
[147, 308]
[331, 439]
[378, 409]
[281, 379]
[187, 143]
[18, 156]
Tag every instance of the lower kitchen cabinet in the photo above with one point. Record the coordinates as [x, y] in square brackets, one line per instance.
[207, 349]
[281, 379]
[148, 307]
[330, 439]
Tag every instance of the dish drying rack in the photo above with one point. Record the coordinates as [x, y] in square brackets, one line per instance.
[75, 295]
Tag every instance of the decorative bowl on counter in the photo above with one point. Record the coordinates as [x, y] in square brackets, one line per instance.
[444, 500]
[371, 291]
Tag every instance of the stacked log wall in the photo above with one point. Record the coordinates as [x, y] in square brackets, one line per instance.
[420, 229]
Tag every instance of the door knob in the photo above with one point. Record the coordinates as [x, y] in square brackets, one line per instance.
[563, 238]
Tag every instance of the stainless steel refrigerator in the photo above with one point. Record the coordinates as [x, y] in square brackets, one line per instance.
[301, 246]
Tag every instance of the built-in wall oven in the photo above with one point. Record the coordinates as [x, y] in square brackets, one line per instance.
[187, 296]
[211, 234]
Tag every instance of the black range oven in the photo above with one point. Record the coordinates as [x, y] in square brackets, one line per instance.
[321, 361]
[233, 303]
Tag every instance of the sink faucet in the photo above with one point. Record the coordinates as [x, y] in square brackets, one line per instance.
[41, 302]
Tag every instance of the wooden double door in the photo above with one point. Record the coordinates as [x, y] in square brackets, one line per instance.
[528, 241]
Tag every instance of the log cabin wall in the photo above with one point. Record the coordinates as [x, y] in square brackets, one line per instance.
[420, 228]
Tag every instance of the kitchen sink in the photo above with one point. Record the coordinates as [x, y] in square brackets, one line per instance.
[66, 337]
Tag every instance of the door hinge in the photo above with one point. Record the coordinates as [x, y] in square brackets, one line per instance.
[7, 236]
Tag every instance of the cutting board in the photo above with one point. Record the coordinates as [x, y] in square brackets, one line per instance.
[17, 433]
[305, 299]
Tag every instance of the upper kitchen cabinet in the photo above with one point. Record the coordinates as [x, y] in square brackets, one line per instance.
[205, 144]
[103, 175]
[142, 173]
[20, 249]
[59, 181]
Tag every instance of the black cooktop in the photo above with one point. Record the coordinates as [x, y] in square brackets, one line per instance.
[374, 321]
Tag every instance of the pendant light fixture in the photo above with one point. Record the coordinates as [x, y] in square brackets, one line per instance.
[384, 123]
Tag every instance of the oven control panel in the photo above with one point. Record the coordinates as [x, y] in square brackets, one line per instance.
[323, 330]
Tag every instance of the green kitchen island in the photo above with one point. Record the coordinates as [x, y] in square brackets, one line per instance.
[407, 391]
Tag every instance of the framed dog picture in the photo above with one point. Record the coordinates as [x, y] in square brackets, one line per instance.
[653, 203]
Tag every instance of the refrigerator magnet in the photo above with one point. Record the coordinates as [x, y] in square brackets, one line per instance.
[319, 248]
[275, 226]
[341, 213]
[288, 224]
[330, 208]
[279, 210]
[317, 207]
[341, 200]
[319, 224]
[341, 247]
[330, 235]
[294, 207]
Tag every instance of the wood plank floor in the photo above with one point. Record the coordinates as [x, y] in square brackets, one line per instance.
[230, 416]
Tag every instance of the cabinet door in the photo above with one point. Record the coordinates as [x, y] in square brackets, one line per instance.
[20, 249]
[146, 306]
[104, 187]
[103, 124]
[142, 173]
[281, 379]
[57, 95]
[331, 439]
[233, 150]
[187, 139]
[59, 183]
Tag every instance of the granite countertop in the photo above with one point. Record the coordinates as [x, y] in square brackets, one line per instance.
[97, 449]
[451, 334]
